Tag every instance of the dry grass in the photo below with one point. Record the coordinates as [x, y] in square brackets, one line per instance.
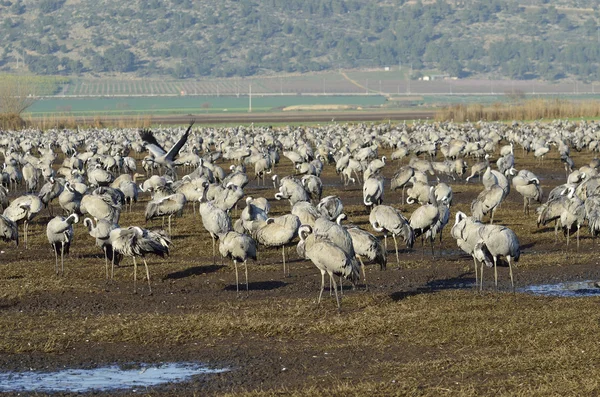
[532, 109]
[67, 120]
[404, 339]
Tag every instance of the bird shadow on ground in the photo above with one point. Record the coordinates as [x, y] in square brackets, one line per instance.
[193, 271]
[259, 286]
[543, 230]
[459, 282]
[532, 244]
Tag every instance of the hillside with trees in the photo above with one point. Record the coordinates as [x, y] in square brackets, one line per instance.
[533, 39]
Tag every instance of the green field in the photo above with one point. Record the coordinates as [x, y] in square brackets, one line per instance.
[179, 105]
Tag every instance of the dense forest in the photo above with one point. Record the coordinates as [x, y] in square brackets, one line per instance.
[534, 39]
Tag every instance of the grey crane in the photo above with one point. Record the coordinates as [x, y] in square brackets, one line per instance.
[373, 191]
[330, 207]
[478, 168]
[552, 210]
[306, 212]
[497, 241]
[367, 245]
[101, 232]
[572, 216]
[161, 156]
[98, 208]
[313, 186]
[529, 187]
[278, 232]
[328, 258]
[24, 208]
[49, 191]
[466, 233]
[486, 202]
[292, 189]
[238, 247]
[166, 206]
[60, 235]
[387, 219]
[401, 178]
[137, 242]
[215, 221]
[8, 230]
[70, 199]
[251, 217]
[424, 220]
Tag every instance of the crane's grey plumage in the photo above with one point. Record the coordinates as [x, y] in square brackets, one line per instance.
[529, 187]
[166, 206]
[238, 247]
[367, 245]
[330, 207]
[135, 241]
[497, 241]
[101, 232]
[70, 199]
[466, 233]
[306, 212]
[291, 188]
[424, 220]
[373, 191]
[51, 190]
[215, 221]
[60, 235]
[486, 202]
[401, 178]
[161, 156]
[313, 185]
[98, 208]
[278, 232]
[328, 258]
[387, 219]
[478, 168]
[8, 230]
[24, 208]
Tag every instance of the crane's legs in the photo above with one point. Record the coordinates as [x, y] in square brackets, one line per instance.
[476, 278]
[237, 282]
[481, 278]
[213, 241]
[25, 227]
[495, 273]
[337, 298]
[283, 252]
[134, 276]
[62, 258]
[148, 276]
[105, 261]
[396, 245]
[512, 282]
[170, 235]
[322, 286]
[55, 260]
[246, 271]
[362, 267]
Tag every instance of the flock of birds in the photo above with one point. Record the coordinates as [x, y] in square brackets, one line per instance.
[98, 179]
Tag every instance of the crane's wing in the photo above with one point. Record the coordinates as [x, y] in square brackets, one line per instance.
[174, 151]
[151, 143]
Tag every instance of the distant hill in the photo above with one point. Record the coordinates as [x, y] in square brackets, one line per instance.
[541, 39]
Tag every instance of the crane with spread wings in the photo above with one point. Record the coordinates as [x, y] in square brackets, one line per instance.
[159, 155]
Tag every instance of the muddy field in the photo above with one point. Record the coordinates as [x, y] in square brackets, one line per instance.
[420, 328]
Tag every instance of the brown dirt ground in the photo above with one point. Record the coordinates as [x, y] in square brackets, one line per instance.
[187, 283]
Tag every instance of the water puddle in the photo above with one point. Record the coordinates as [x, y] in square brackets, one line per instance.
[566, 289]
[102, 379]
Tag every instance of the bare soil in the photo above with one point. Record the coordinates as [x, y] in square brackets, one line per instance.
[267, 336]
